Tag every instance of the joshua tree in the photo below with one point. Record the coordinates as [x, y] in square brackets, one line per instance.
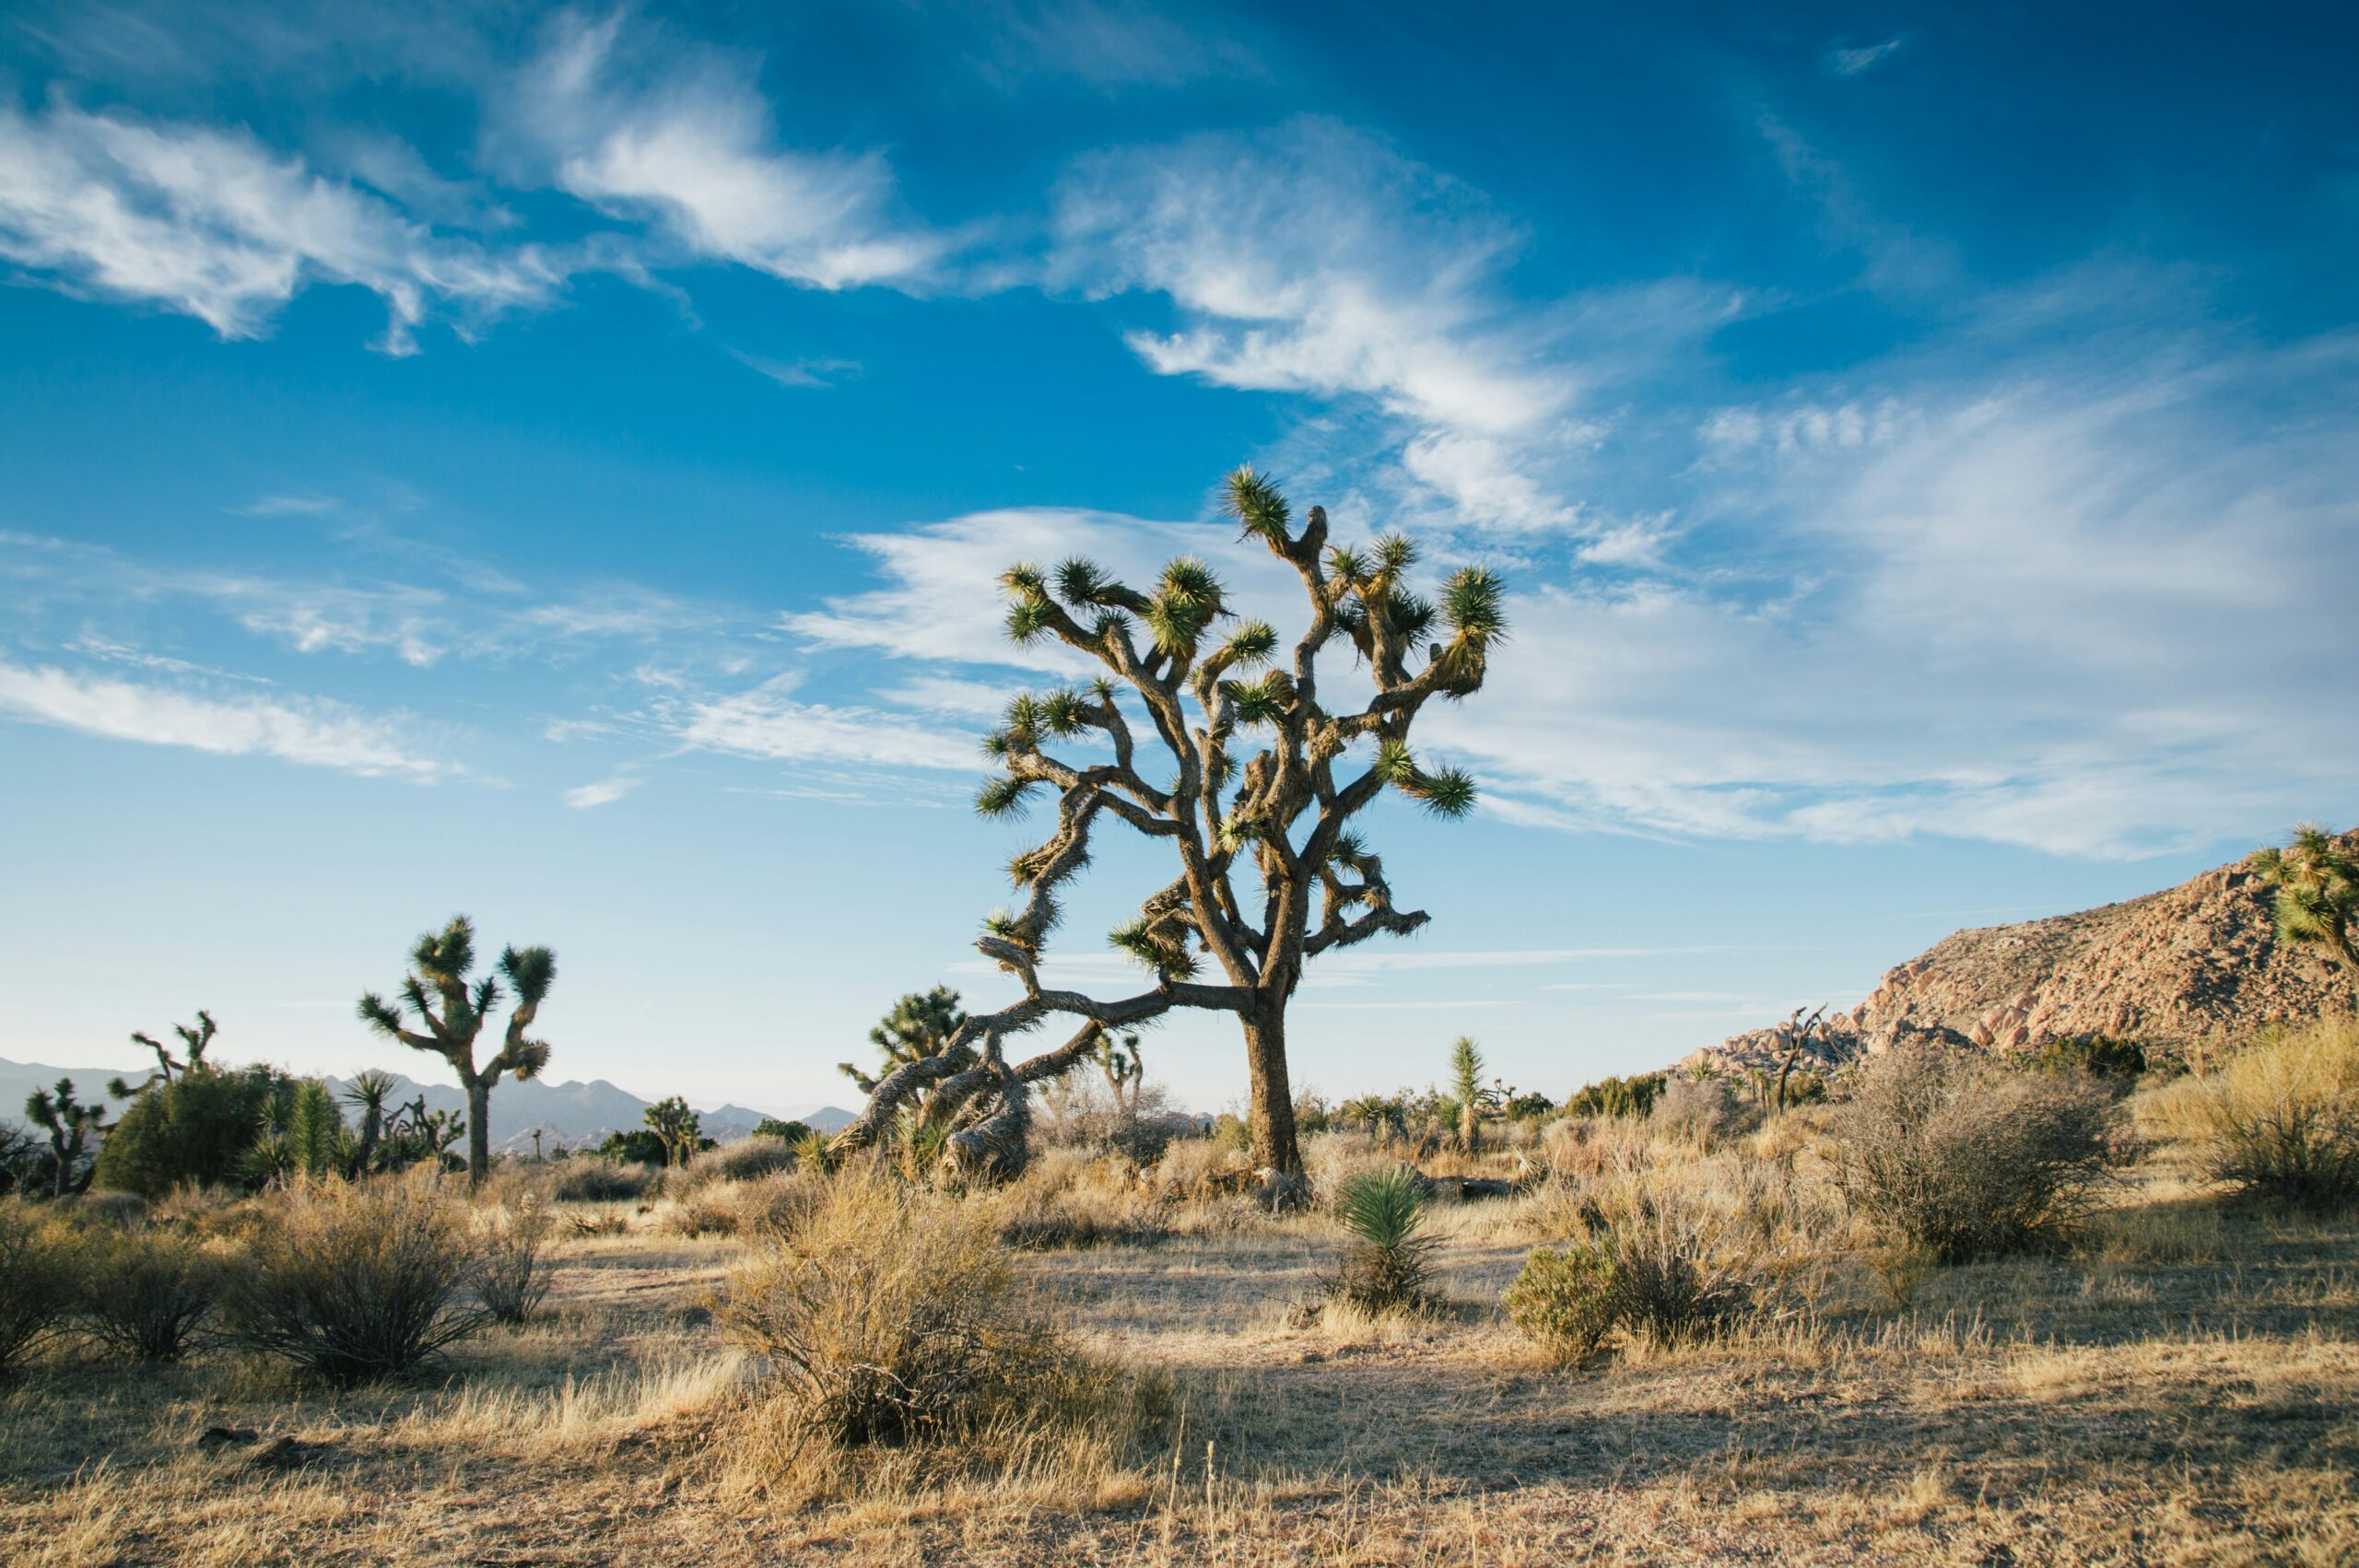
[920, 1025]
[1125, 1070]
[1796, 1032]
[195, 1040]
[368, 1093]
[2316, 878]
[455, 1011]
[1175, 659]
[678, 1125]
[69, 1125]
[1466, 1083]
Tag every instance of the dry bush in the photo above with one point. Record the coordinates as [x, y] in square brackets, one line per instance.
[351, 1282]
[895, 1314]
[1568, 1299]
[2280, 1119]
[760, 1207]
[1942, 1152]
[748, 1159]
[40, 1261]
[1070, 1198]
[145, 1292]
[589, 1179]
[1335, 1160]
[1198, 1168]
[1681, 1269]
[1704, 1112]
[1592, 1146]
[510, 1279]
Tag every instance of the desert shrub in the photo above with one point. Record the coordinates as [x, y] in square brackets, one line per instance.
[1940, 1151]
[2096, 1056]
[1390, 1259]
[770, 1206]
[601, 1181]
[2280, 1118]
[787, 1132]
[1229, 1133]
[145, 1292]
[40, 1262]
[1704, 1111]
[1070, 1198]
[352, 1282]
[1633, 1096]
[1566, 1299]
[745, 1160]
[1198, 1168]
[1679, 1271]
[894, 1315]
[511, 1279]
[1590, 1146]
[1334, 1160]
[199, 1128]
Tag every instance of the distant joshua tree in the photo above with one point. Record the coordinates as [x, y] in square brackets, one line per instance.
[370, 1092]
[1176, 660]
[678, 1127]
[2317, 893]
[455, 1010]
[1796, 1032]
[194, 1039]
[69, 1123]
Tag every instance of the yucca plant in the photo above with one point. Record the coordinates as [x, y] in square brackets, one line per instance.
[1389, 1260]
[2316, 878]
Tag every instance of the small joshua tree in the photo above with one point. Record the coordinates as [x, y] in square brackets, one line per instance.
[69, 1123]
[1177, 662]
[455, 1011]
[369, 1092]
[1466, 1084]
[2316, 878]
[1796, 1032]
[678, 1125]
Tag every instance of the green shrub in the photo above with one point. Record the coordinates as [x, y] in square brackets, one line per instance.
[1230, 1132]
[40, 1263]
[354, 1282]
[2280, 1118]
[1939, 1151]
[147, 1293]
[1566, 1299]
[1389, 1261]
[199, 1128]
[787, 1132]
[1617, 1096]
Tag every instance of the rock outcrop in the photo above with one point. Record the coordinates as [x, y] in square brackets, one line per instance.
[2196, 963]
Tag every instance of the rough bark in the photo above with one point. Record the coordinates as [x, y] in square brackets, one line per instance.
[1270, 1113]
[478, 1129]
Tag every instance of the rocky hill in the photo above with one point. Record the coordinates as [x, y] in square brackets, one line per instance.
[2198, 962]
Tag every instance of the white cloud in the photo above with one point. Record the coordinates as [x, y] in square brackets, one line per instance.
[315, 732]
[304, 504]
[768, 722]
[812, 373]
[213, 224]
[1866, 58]
[681, 134]
[607, 793]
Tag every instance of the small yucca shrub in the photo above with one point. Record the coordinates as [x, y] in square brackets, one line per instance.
[352, 1282]
[1389, 1260]
[147, 1293]
[1566, 1299]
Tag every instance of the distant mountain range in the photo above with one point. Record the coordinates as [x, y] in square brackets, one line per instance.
[571, 1113]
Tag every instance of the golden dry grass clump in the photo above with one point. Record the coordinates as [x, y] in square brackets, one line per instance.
[2279, 1119]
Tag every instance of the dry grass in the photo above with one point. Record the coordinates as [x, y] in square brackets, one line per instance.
[2177, 1388]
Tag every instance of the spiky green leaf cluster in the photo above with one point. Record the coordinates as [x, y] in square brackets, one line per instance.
[1189, 599]
[1254, 501]
[1003, 796]
[1263, 701]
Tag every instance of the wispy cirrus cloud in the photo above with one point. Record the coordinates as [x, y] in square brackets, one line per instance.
[605, 792]
[640, 124]
[310, 732]
[770, 723]
[212, 224]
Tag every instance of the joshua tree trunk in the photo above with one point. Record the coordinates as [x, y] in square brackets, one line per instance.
[1272, 1113]
[478, 1130]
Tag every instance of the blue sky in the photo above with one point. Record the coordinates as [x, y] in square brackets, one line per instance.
[551, 464]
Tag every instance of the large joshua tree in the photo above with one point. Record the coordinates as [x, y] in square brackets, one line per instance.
[1186, 683]
[455, 1010]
